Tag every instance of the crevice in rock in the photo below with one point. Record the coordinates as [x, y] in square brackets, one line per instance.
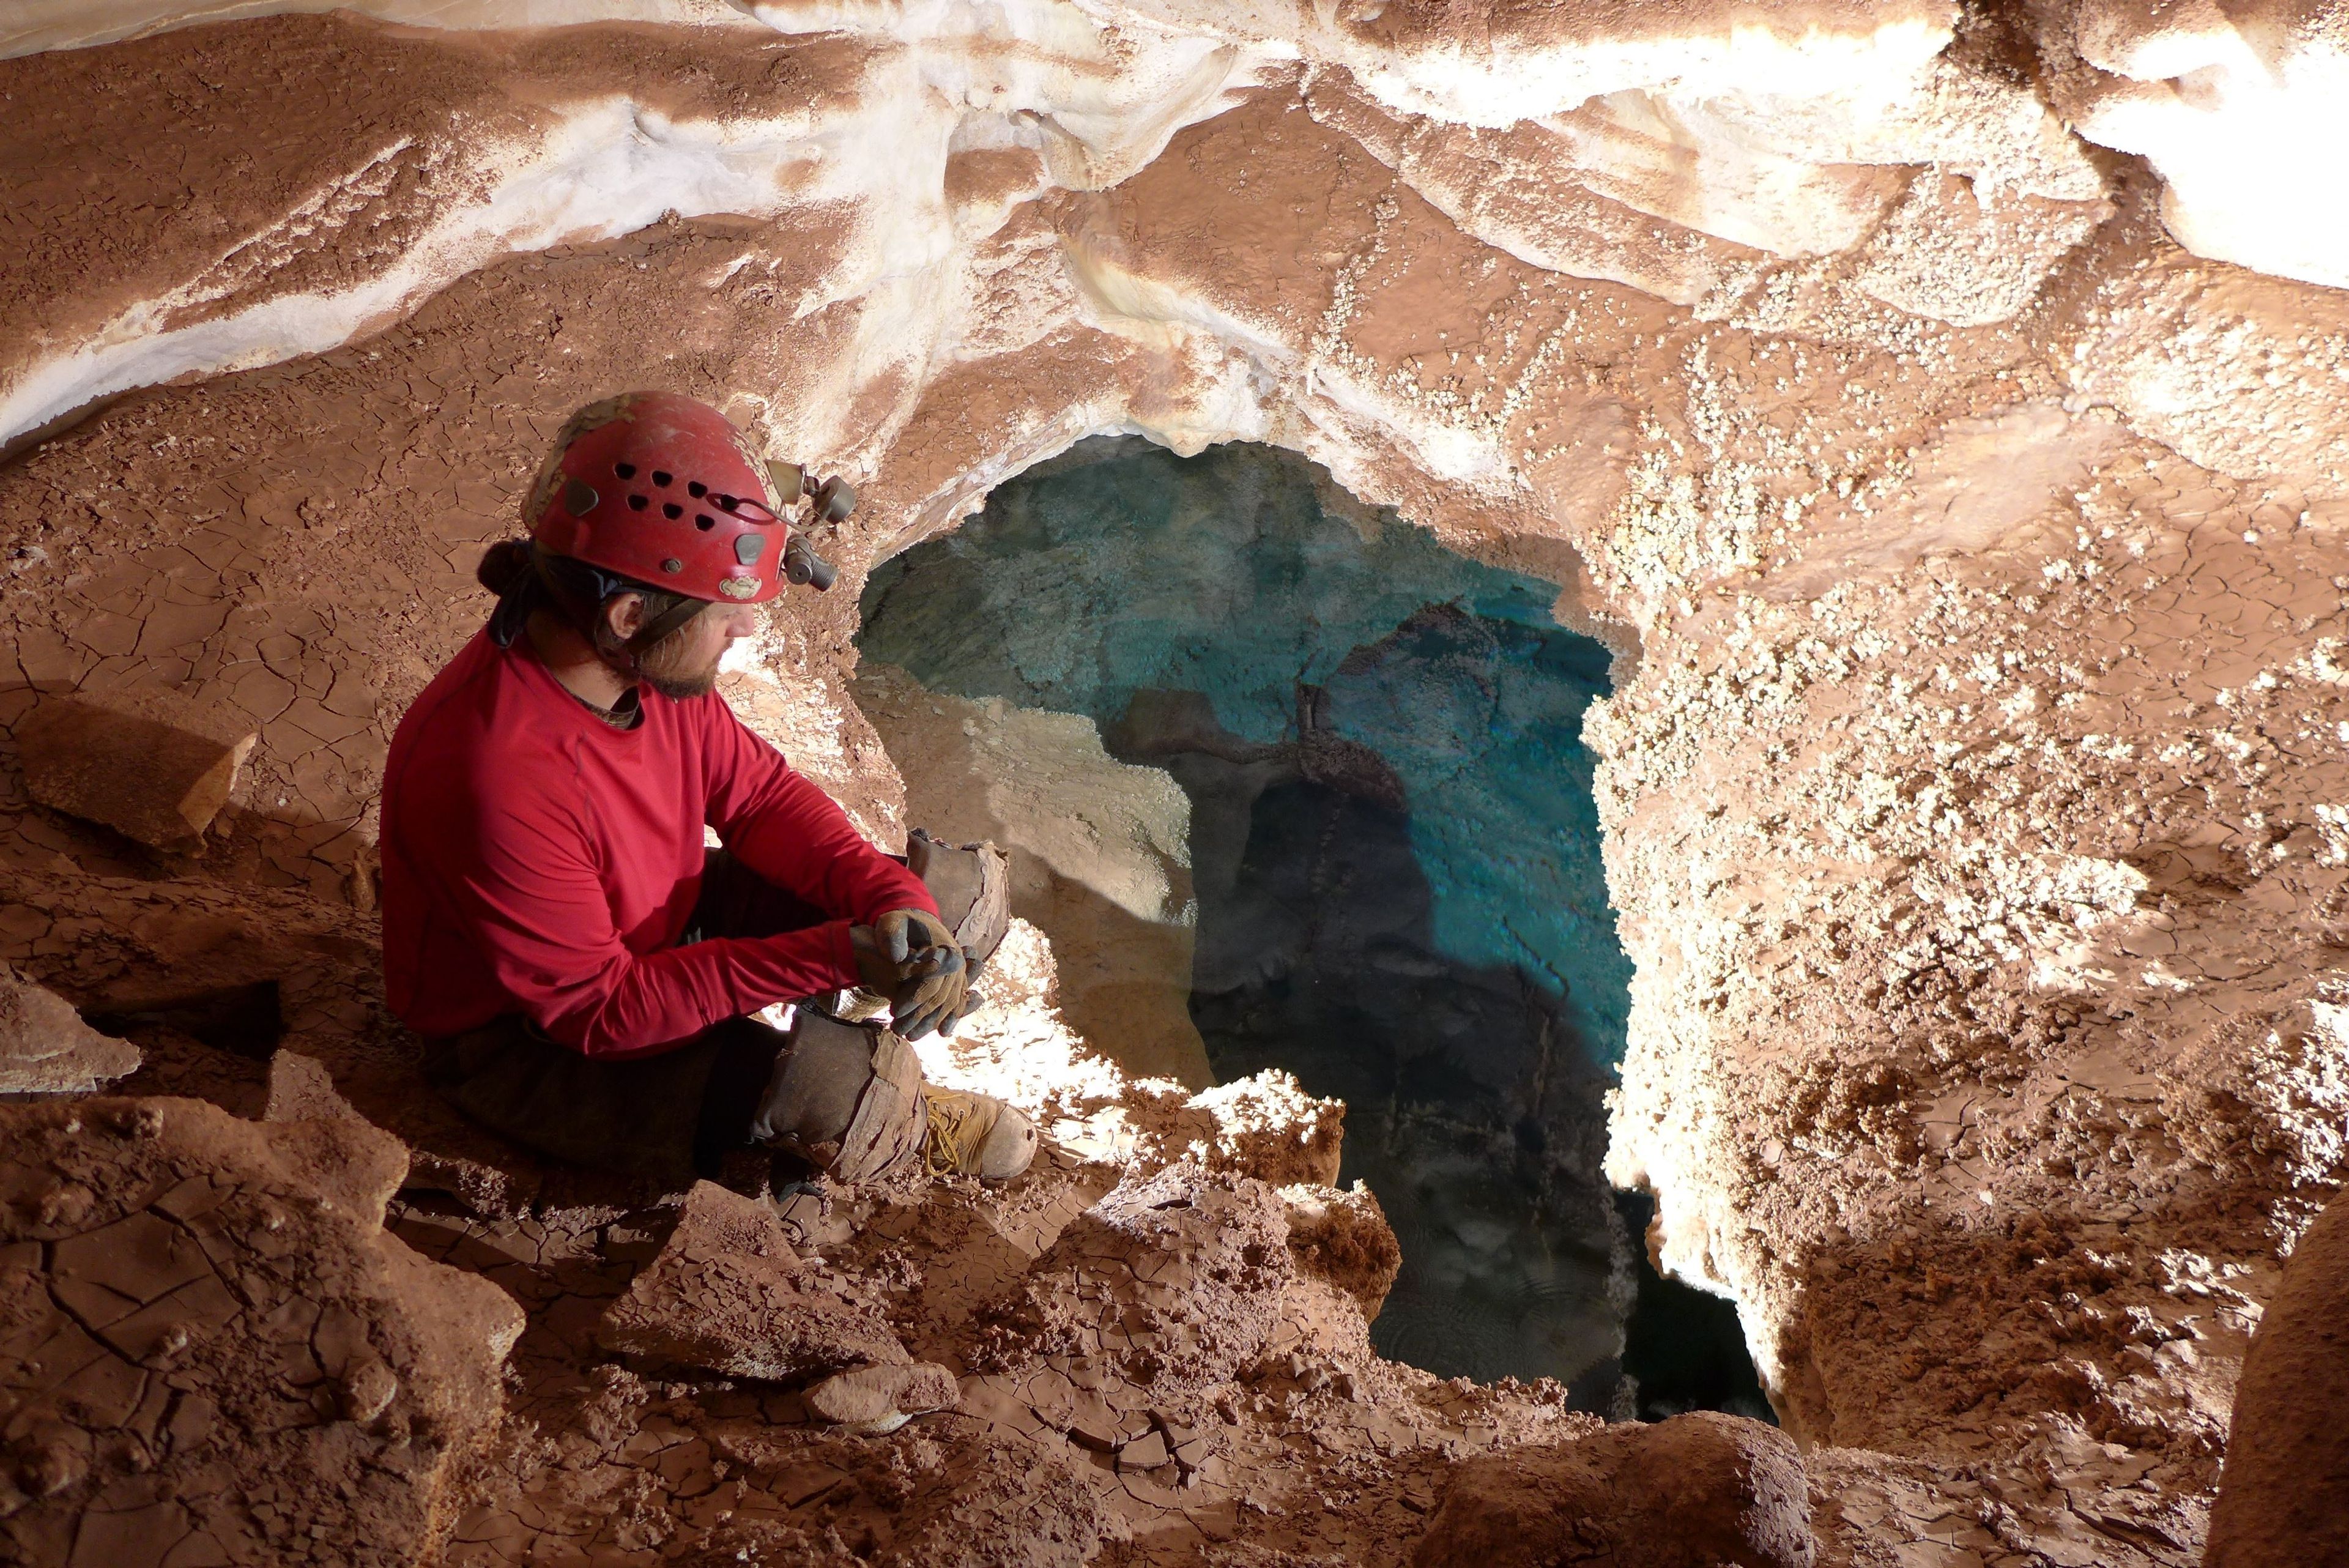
[1381, 873]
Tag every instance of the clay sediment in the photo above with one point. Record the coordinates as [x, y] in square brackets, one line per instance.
[1939, 413]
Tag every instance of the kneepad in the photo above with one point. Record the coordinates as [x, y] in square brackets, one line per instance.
[846, 1097]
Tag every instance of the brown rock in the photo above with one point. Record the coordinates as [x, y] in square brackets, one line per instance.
[1268, 1127]
[46, 1049]
[205, 1292]
[2283, 1495]
[729, 1295]
[154, 781]
[876, 1399]
[352, 1160]
[302, 1090]
[1342, 1239]
[1696, 1491]
[1196, 1261]
[1144, 1453]
[366, 1391]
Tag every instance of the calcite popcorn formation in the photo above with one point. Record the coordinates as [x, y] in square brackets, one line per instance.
[1939, 408]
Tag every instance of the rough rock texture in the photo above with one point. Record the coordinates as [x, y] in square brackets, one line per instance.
[1971, 538]
[2284, 1494]
[1700, 1490]
[1199, 1262]
[1050, 1300]
[878, 1398]
[157, 783]
[46, 1049]
[1342, 1239]
[301, 1089]
[727, 1294]
[211, 1352]
[1268, 1127]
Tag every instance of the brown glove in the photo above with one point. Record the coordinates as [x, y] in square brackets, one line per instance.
[909, 957]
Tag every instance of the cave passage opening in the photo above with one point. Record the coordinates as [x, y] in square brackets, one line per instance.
[1289, 785]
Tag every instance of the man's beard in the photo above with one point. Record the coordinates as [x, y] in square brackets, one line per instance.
[662, 667]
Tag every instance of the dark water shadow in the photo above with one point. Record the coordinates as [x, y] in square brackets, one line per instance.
[1683, 1349]
[1474, 1109]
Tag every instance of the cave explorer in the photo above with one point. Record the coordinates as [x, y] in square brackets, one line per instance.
[587, 976]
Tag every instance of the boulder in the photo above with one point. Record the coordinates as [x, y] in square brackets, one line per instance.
[1196, 1261]
[1701, 1491]
[2283, 1494]
[211, 1350]
[157, 783]
[46, 1049]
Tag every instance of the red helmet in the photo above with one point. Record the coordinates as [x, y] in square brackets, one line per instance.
[665, 490]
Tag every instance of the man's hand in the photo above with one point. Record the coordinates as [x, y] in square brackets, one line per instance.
[909, 957]
[905, 933]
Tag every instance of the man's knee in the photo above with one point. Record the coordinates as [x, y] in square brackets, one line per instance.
[851, 1100]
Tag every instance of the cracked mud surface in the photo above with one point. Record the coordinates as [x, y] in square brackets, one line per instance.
[1939, 415]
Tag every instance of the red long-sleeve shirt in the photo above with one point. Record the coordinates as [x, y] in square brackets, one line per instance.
[538, 860]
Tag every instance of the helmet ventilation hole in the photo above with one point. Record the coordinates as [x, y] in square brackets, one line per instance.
[625, 470]
[637, 503]
[704, 521]
[697, 490]
[671, 510]
[661, 478]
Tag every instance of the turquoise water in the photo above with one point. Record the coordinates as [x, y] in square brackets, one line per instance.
[1123, 568]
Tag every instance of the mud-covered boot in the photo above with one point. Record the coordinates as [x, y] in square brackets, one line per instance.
[975, 1134]
[972, 883]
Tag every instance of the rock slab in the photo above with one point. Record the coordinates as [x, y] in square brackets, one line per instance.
[727, 1294]
[46, 1049]
[157, 783]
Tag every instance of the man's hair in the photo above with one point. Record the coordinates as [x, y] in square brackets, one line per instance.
[526, 578]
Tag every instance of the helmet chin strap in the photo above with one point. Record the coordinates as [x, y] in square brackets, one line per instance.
[662, 625]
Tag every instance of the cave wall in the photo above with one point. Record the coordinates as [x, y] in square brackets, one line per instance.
[1940, 411]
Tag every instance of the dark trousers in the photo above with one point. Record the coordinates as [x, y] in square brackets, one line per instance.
[667, 1117]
